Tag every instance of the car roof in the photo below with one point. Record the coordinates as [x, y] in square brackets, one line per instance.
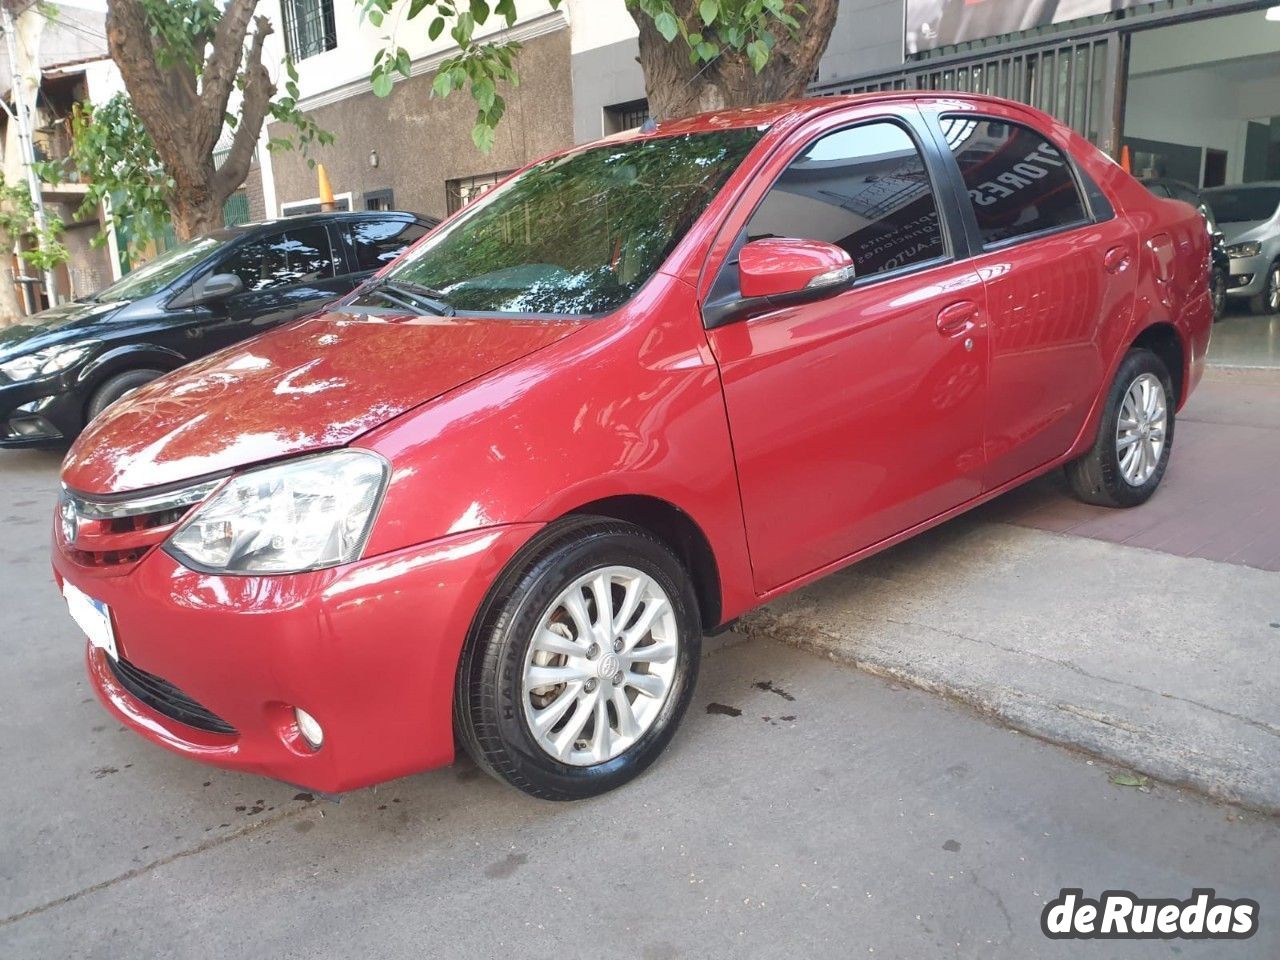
[312, 219]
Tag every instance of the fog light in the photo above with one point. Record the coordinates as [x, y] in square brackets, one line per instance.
[309, 728]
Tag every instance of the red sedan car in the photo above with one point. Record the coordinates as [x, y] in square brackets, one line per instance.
[499, 492]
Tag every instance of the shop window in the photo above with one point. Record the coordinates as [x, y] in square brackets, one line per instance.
[461, 191]
[865, 189]
[309, 28]
[1019, 183]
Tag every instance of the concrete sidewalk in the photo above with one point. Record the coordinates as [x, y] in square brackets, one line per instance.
[1161, 663]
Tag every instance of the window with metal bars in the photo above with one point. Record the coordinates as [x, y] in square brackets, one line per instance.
[626, 116]
[461, 191]
[308, 27]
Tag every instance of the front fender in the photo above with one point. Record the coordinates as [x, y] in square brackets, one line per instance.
[129, 357]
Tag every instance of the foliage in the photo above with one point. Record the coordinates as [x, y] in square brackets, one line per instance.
[18, 219]
[708, 28]
[116, 159]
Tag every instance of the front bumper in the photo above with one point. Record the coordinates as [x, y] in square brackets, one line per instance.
[1247, 277]
[370, 650]
[36, 413]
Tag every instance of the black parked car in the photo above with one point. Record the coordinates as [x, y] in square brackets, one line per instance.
[1221, 260]
[61, 368]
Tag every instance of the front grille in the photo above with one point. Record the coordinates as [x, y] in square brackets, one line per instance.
[119, 531]
[163, 697]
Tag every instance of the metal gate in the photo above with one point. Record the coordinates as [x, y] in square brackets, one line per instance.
[1077, 81]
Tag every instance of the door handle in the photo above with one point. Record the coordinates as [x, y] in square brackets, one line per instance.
[1116, 260]
[957, 318]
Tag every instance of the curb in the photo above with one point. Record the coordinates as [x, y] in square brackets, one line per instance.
[1017, 711]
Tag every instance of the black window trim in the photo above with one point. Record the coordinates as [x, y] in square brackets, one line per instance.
[1088, 192]
[729, 306]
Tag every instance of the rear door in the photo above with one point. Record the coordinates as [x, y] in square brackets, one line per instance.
[373, 243]
[1060, 270]
[859, 415]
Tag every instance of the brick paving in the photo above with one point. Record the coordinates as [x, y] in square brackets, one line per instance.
[1220, 499]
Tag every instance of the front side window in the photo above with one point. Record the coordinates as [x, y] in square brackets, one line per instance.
[578, 234]
[865, 189]
[302, 255]
[378, 242]
[1018, 182]
[309, 28]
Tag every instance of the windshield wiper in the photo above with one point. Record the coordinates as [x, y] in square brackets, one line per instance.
[415, 296]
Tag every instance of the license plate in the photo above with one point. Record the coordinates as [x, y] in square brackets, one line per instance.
[93, 617]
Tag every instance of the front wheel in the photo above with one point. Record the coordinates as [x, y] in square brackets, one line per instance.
[584, 663]
[1128, 460]
[1268, 301]
[119, 387]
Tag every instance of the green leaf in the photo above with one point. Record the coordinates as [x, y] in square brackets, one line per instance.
[758, 54]
[667, 25]
[403, 63]
[375, 18]
[482, 135]
[708, 10]
[483, 90]
[436, 28]
[382, 84]
[443, 84]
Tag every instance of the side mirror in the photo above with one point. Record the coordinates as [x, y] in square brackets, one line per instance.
[217, 286]
[779, 267]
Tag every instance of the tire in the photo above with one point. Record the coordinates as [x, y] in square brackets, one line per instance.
[1106, 475]
[119, 386]
[495, 705]
[1267, 303]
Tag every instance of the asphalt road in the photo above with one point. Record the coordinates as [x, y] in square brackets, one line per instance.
[805, 810]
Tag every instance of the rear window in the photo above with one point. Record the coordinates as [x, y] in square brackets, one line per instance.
[1238, 204]
[378, 242]
[1019, 182]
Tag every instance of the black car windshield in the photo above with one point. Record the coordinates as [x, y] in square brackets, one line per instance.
[1236, 204]
[575, 235]
[154, 276]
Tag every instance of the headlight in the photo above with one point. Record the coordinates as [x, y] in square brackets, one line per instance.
[1250, 248]
[303, 515]
[47, 361]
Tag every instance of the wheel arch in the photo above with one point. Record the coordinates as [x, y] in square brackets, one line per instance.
[1165, 342]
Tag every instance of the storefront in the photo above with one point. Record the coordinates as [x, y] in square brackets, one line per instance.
[1190, 87]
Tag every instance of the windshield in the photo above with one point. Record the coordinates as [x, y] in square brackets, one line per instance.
[152, 277]
[575, 235]
[1243, 203]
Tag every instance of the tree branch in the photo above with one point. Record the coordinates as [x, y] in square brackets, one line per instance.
[255, 105]
[223, 65]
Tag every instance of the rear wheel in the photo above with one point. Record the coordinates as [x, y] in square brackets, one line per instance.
[119, 387]
[1268, 301]
[583, 665]
[1128, 460]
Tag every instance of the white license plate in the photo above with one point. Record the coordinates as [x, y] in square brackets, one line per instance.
[93, 617]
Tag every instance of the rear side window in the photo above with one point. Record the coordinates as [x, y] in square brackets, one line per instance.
[378, 242]
[865, 189]
[1018, 182]
[300, 255]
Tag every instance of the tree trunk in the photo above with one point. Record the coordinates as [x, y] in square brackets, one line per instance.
[185, 114]
[677, 88]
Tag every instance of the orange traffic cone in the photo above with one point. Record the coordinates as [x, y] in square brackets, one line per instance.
[1126, 164]
[326, 190]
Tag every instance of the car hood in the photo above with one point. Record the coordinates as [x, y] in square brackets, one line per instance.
[1239, 230]
[315, 384]
[52, 326]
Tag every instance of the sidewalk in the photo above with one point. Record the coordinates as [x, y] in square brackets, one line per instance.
[1156, 653]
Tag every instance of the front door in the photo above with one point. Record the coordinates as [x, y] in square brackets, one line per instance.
[858, 416]
[286, 275]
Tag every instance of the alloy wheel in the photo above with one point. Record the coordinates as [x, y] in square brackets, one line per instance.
[1141, 429]
[1273, 288]
[601, 666]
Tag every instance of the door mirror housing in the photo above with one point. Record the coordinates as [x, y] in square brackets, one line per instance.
[779, 267]
[217, 287]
